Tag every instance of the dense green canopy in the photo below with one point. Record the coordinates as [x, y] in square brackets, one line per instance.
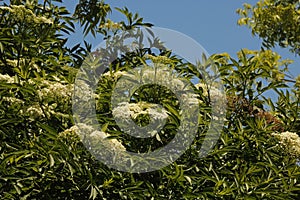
[43, 157]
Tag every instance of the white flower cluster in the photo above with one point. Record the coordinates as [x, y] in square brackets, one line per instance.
[164, 77]
[126, 110]
[70, 131]
[23, 62]
[21, 13]
[51, 95]
[204, 88]
[13, 100]
[94, 135]
[14, 63]
[55, 90]
[290, 142]
[110, 25]
[213, 92]
[157, 113]
[47, 89]
[217, 100]
[35, 111]
[192, 99]
[83, 91]
[6, 78]
[159, 59]
[114, 74]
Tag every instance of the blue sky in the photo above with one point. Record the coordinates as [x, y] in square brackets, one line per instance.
[212, 23]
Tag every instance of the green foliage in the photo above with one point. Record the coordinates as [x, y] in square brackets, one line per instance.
[91, 14]
[42, 157]
[275, 21]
